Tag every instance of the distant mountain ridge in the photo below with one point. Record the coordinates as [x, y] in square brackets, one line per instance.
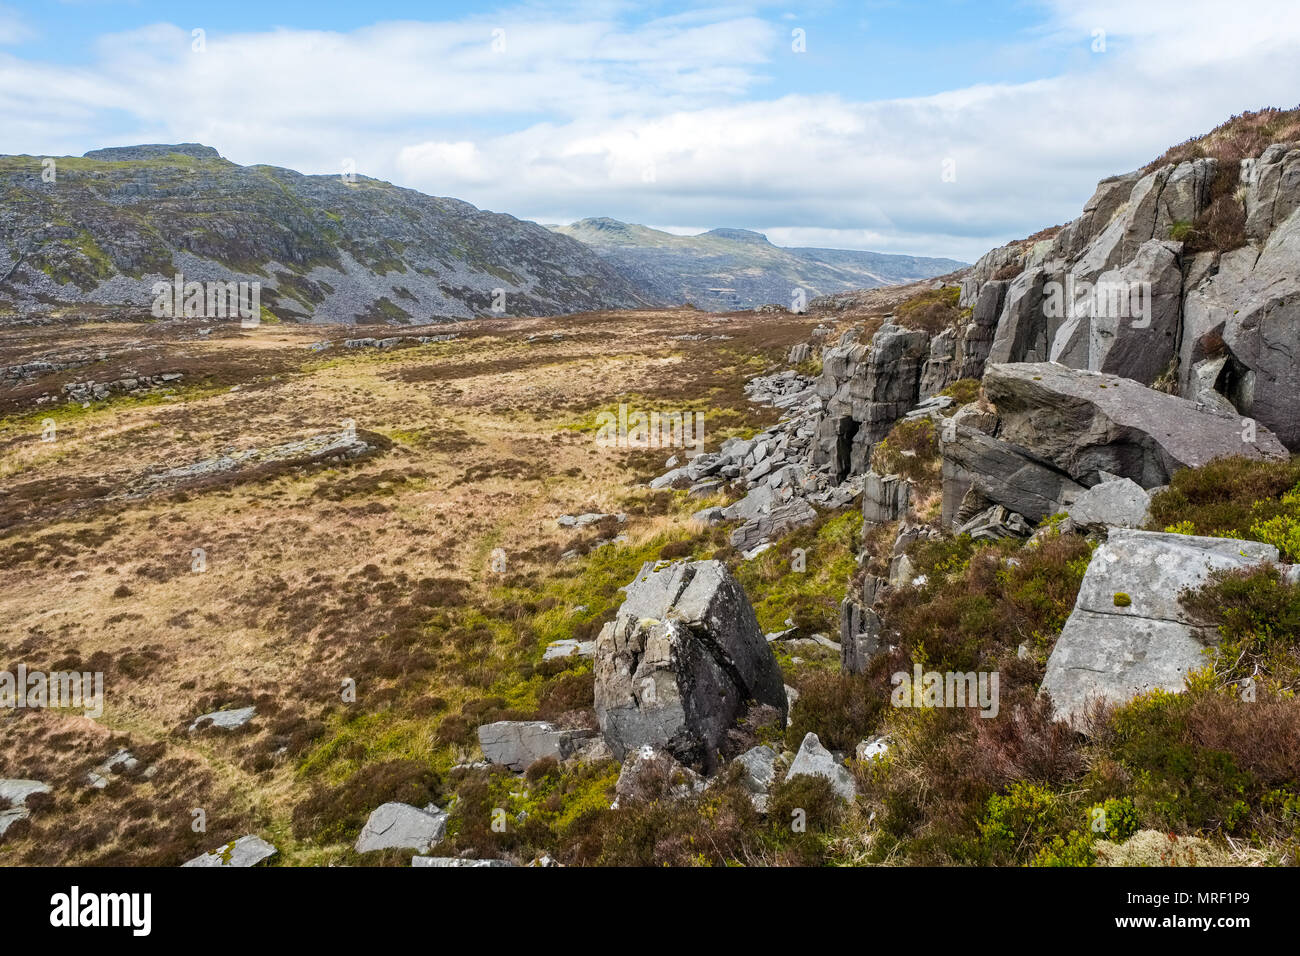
[106, 228]
[109, 225]
[739, 269]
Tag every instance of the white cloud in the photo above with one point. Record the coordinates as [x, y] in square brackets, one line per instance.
[12, 27]
[583, 116]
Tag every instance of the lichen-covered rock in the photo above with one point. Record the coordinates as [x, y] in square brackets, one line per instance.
[681, 661]
[246, 851]
[1128, 632]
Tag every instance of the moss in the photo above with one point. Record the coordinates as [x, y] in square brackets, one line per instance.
[1122, 599]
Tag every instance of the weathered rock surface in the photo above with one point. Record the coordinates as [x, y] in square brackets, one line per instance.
[681, 661]
[1129, 633]
[814, 760]
[1117, 503]
[519, 743]
[400, 826]
[246, 851]
[1084, 423]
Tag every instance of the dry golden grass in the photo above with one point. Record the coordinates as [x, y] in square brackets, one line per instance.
[377, 570]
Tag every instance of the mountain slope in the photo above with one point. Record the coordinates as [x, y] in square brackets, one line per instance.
[736, 268]
[116, 221]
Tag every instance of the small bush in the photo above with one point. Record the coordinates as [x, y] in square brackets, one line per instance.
[1227, 497]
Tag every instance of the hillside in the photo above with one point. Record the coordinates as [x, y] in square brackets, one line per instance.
[727, 269]
[114, 222]
[929, 576]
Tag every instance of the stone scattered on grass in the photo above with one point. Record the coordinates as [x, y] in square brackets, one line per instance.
[246, 851]
[404, 827]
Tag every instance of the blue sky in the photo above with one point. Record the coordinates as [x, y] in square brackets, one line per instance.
[935, 127]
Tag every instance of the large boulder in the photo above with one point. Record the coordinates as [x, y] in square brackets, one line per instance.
[681, 661]
[1129, 633]
[1085, 423]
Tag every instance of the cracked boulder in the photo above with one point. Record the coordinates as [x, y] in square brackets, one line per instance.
[682, 661]
[1129, 633]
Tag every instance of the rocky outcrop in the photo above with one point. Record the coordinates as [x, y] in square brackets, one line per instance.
[1115, 292]
[866, 389]
[1129, 633]
[885, 498]
[14, 794]
[860, 626]
[681, 662]
[1053, 432]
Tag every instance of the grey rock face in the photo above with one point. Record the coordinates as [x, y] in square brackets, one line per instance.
[886, 498]
[400, 826]
[865, 390]
[1130, 335]
[1252, 304]
[101, 775]
[777, 520]
[1119, 503]
[1085, 423]
[246, 851]
[1129, 633]
[557, 650]
[759, 768]
[519, 743]
[1024, 331]
[680, 661]
[860, 627]
[1000, 472]
[814, 760]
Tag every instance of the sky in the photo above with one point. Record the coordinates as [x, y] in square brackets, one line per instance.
[933, 127]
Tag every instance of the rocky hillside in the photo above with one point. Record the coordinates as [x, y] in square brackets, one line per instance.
[114, 222]
[726, 269]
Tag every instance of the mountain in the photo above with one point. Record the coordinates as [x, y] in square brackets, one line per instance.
[738, 269]
[116, 221]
